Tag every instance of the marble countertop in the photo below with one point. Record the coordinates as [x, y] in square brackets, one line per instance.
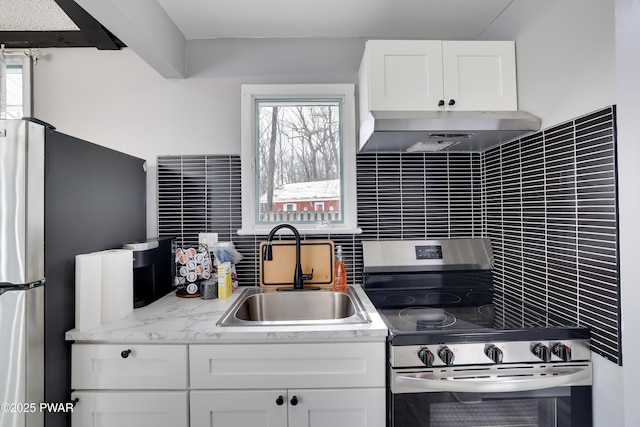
[193, 320]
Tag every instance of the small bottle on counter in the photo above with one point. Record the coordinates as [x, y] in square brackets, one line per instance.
[224, 280]
[340, 278]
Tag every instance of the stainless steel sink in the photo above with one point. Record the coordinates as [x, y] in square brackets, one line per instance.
[257, 307]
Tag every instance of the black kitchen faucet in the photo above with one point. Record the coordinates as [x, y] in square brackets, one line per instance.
[298, 277]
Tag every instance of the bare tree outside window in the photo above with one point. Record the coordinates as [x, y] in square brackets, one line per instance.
[299, 160]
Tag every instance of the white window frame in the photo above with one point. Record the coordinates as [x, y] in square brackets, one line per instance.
[344, 92]
[26, 78]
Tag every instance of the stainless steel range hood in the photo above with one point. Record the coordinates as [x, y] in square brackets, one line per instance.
[453, 131]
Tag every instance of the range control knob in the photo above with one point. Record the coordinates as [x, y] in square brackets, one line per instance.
[494, 353]
[563, 351]
[542, 352]
[426, 357]
[446, 355]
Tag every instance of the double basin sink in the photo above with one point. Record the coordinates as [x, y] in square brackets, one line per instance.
[258, 307]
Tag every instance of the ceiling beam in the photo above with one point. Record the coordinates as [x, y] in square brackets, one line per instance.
[42, 39]
[146, 29]
[95, 34]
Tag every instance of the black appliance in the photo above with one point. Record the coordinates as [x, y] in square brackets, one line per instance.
[153, 269]
[462, 353]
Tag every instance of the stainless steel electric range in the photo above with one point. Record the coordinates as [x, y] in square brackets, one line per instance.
[462, 353]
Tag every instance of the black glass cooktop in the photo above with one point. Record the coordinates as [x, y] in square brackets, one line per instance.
[388, 299]
[434, 315]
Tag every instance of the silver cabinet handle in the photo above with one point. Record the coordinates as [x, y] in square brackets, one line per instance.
[492, 385]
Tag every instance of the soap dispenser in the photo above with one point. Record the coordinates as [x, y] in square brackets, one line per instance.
[340, 278]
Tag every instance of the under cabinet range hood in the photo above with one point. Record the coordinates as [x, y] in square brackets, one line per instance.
[453, 131]
[439, 95]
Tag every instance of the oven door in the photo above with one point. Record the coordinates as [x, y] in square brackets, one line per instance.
[526, 395]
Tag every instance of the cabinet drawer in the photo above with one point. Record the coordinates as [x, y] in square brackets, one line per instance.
[240, 366]
[105, 366]
[130, 409]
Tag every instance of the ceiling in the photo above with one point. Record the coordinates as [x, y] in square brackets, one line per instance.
[51, 23]
[206, 19]
[17, 16]
[159, 30]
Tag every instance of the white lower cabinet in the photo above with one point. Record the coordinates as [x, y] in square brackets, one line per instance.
[252, 385]
[130, 409]
[337, 408]
[286, 365]
[255, 408]
[129, 367]
[288, 385]
[129, 385]
[289, 408]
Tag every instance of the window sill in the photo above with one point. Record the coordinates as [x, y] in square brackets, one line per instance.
[305, 230]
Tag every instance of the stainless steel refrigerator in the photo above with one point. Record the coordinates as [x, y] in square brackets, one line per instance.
[59, 196]
[21, 273]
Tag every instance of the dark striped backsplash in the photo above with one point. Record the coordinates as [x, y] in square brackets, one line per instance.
[547, 201]
[550, 211]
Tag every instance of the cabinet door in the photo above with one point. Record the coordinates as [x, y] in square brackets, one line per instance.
[246, 408]
[130, 409]
[480, 75]
[404, 75]
[337, 408]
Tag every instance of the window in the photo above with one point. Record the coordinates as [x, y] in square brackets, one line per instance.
[14, 85]
[298, 158]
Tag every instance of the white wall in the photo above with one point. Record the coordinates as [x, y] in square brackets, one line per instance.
[565, 52]
[628, 70]
[566, 67]
[115, 99]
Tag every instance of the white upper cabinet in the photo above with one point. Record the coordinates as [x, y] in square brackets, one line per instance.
[433, 75]
[402, 75]
[479, 75]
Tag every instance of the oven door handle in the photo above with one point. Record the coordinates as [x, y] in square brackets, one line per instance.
[493, 385]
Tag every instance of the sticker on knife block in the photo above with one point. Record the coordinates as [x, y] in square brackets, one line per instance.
[316, 255]
[193, 265]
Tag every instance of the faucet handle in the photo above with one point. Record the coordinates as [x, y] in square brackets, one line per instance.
[308, 276]
[267, 252]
